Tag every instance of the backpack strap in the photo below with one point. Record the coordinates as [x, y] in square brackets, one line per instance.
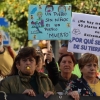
[10, 51]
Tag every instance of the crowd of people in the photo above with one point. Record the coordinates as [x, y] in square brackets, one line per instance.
[29, 73]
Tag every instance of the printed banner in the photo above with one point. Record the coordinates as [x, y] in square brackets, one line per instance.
[85, 34]
[41, 97]
[49, 22]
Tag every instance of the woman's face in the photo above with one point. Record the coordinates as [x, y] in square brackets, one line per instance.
[90, 70]
[27, 62]
[66, 65]
[40, 65]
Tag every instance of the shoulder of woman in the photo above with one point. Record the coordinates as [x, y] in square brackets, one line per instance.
[10, 79]
[73, 76]
[43, 75]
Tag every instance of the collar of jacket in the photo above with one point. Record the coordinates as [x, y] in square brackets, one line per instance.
[70, 79]
[26, 78]
[23, 77]
[61, 78]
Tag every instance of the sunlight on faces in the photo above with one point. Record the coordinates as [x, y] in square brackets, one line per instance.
[66, 65]
[90, 70]
[27, 65]
[88, 65]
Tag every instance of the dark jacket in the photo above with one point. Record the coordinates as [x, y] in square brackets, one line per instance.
[54, 74]
[19, 83]
[81, 86]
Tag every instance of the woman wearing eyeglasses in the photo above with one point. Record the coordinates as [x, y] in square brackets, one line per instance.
[89, 83]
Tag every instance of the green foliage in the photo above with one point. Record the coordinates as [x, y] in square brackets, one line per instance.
[90, 7]
[16, 12]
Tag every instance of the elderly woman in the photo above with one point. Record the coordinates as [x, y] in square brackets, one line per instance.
[88, 84]
[24, 77]
[66, 65]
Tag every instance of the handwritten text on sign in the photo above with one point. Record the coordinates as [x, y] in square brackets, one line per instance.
[50, 22]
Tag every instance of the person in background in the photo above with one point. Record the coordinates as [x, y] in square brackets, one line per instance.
[62, 51]
[39, 67]
[52, 62]
[89, 83]
[7, 56]
[24, 79]
[66, 65]
[41, 64]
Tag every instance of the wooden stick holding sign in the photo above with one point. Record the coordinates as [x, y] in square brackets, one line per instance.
[48, 47]
[50, 52]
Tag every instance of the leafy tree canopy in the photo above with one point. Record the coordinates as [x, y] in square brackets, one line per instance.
[16, 12]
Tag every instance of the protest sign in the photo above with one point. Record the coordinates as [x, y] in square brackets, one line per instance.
[49, 22]
[6, 37]
[85, 34]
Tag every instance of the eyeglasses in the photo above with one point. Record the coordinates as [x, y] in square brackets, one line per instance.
[64, 45]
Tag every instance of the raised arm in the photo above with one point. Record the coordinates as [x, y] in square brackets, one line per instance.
[52, 68]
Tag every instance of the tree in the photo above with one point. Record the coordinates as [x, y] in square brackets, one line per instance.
[90, 7]
[16, 12]
[83, 6]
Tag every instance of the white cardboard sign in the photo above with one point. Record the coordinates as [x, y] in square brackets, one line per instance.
[85, 34]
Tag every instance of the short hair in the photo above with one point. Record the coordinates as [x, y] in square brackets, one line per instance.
[23, 53]
[26, 52]
[87, 58]
[65, 55]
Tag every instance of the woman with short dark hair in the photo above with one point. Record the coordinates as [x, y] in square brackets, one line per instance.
[24, 77]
